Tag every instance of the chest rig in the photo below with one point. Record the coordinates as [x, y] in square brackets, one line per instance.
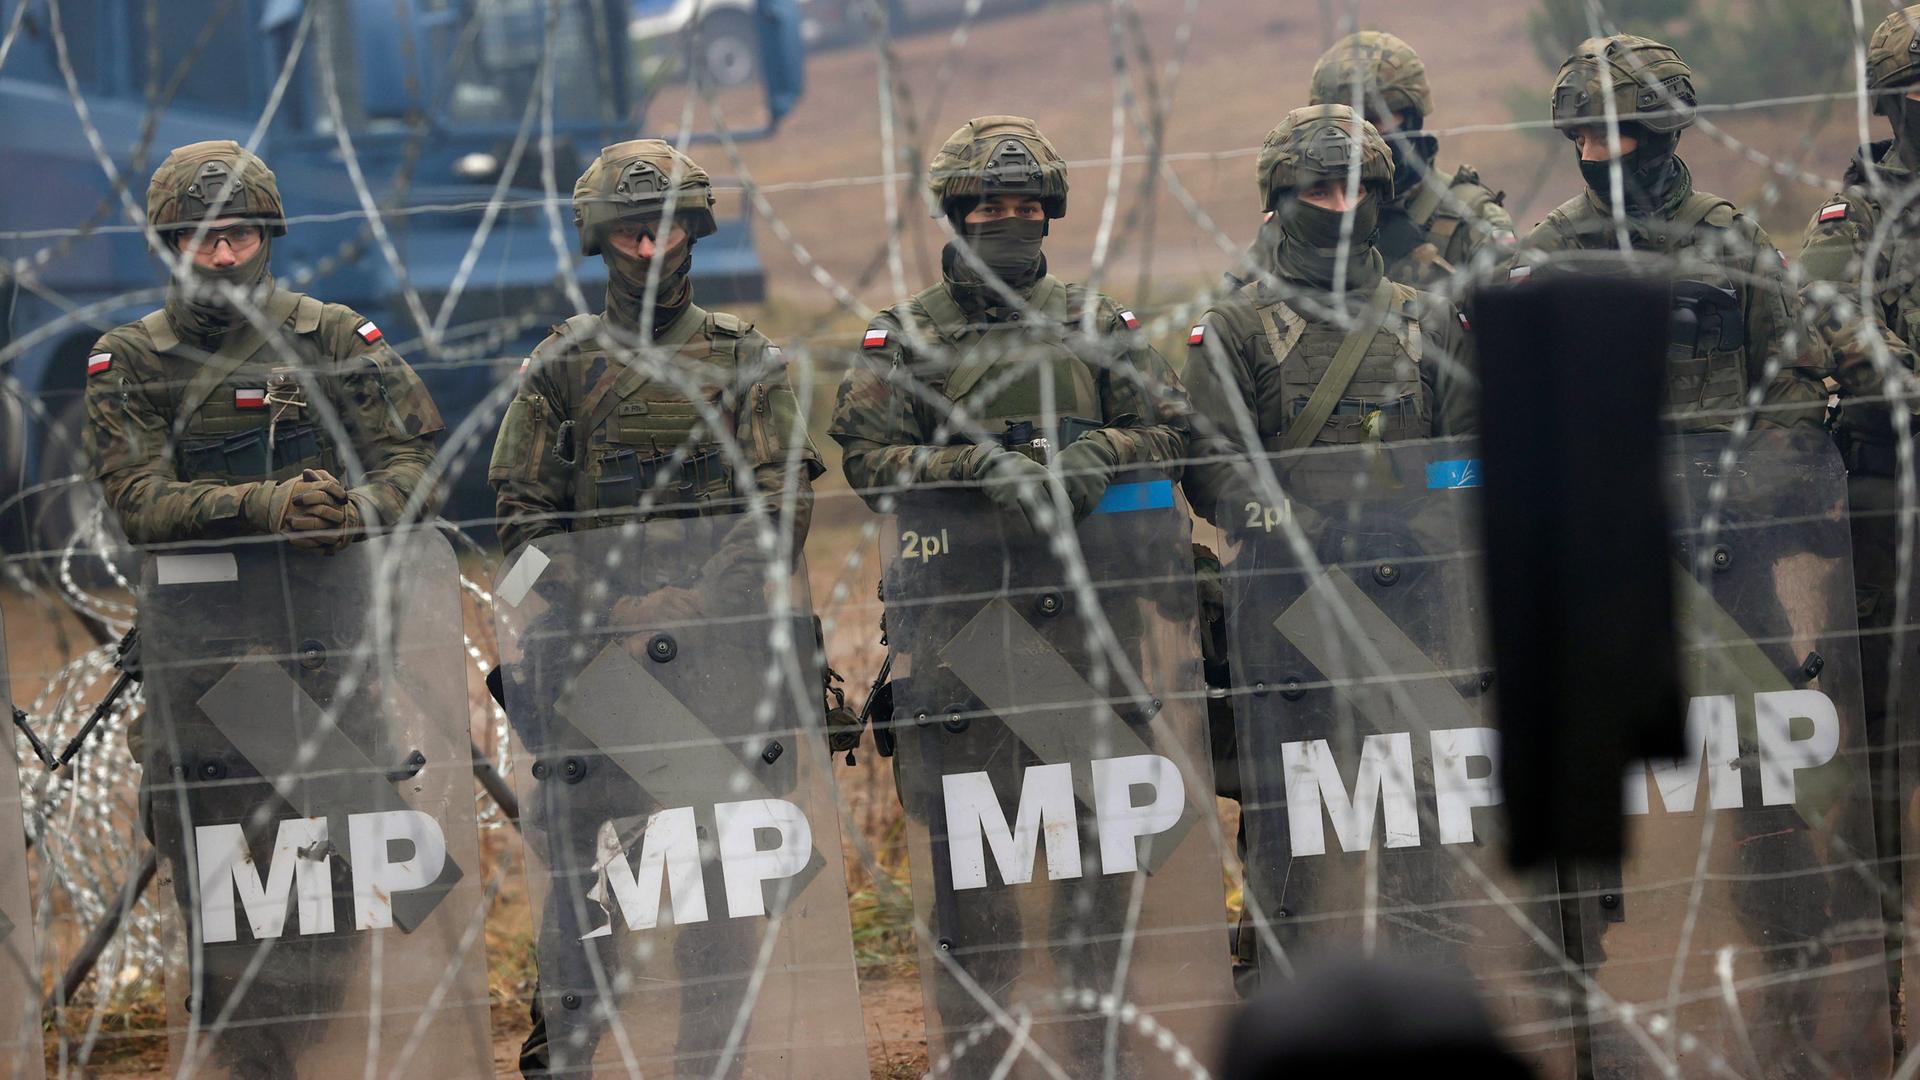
[1382, 401]
[997, 372]
[247, 414]
[641, 446]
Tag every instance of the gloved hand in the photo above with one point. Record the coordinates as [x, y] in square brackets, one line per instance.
[311, 510]
[1085, 469]
[1017, 486]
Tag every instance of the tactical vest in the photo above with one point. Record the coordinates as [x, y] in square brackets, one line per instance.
[247, 417]
[1431, 260]
[998, 370]
[1385, 400]
[1706, 340]
[640, 443]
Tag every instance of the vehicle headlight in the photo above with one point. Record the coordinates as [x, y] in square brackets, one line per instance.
[476, 166]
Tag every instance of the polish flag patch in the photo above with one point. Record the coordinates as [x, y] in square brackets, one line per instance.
[874, 339]
[524, 363]
[1197, 335]
[369, 333]
[99, 362]
[249, 397]
[1128, 318]
[1520, 273]
[1836, 212]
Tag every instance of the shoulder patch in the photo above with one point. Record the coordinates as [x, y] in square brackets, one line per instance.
[99, 362]
[1464, 324]
[731, 325]
[876, 337]
[1833, 212]
[1128, 318]
[1520, 273]
[369, 333]
[249, 397]
[1197, 335]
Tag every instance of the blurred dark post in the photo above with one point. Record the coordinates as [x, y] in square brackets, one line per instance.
[1579, 562]
[1369, 1018]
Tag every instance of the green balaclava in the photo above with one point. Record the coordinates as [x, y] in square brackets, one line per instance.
[200, 301]
[1309, 242]
[1009, 246]
[627, 286]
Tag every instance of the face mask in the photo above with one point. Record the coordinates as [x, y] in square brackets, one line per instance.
[198, 296]
[1906, 128]
[1646, 173]
[627, 284]
[1309, 240]
[1413, 155]
[1010, 247]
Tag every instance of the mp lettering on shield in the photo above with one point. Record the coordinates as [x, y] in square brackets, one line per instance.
[669, 857]
[1045, 817]
[1794, 731]
[391, 852]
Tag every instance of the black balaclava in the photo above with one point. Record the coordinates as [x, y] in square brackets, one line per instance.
[197, 300]
[1413, 153]
[1905, 116]
[1009, 246]
[627, 287]
[1309, 241]
[1649, 175]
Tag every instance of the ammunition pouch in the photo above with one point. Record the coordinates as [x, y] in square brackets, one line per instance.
[246, 455]
[1705, 319]
[626, 478]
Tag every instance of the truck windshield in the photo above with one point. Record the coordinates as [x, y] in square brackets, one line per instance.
[494, 49]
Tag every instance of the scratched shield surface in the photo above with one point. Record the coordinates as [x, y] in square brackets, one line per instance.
[683, 848]
[305, 749]
[1049, 718]
[20, 1053]
[1743, 933]
[1367, 747]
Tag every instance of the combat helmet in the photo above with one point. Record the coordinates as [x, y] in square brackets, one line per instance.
[633, 181]
[998, 155]
[1318, 142]
[1391, 78]
[211, 181]
[1649, 84]
[1893, 55]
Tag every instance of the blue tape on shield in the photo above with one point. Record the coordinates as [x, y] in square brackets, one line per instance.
[1146, 495]
[1463, 473]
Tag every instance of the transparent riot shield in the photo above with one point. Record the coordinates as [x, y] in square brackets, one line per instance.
[308, 782]
[20, 1049]
[1742, 934]
[1366, 741]
[682, 837]
[1051, 753]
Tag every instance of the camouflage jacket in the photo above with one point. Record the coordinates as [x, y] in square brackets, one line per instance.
[1256, 359]
[931, 386]
[186, 442]
[1738, 280]
[1853, 243]
[597, 437]
[1428, 234]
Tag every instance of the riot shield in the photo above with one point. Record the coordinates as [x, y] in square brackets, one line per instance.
[309, 786]
[20, 1050]
[1049, 718]
[1742, 933]
[1367, 751]
[682, 837]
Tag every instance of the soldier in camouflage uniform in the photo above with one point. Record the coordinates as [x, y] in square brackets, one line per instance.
[1258, 357]
[948, 384]
[1737, 325]
[950, 388]
[1865, 239]
[1436, 226]
[242, 409]
[645, 411]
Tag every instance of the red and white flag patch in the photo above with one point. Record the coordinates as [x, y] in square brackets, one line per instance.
[369, 333]
[1197, 335]
[249, 397]
[1835, 212]
[1128, 318]
[99, 362]
[524, 363]
[874, 339]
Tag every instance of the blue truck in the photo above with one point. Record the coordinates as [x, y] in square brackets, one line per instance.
[463, 272]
